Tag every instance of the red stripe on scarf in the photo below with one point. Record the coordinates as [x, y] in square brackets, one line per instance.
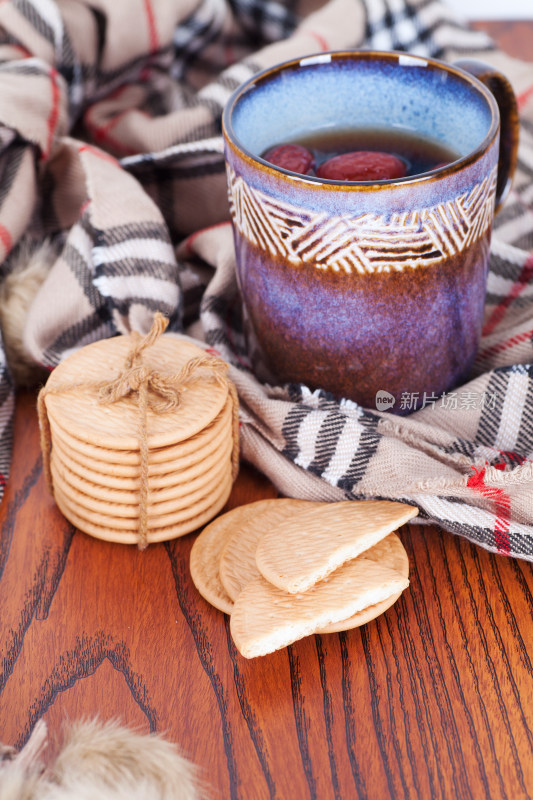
[511, 456]
[26, 53]
[501, 346]
[5, 238]
[102, 133]
[152, 30]
[524, 96]
[54, 113]
[320, 39]
[502, 508]
[519, 285]
[95, 151]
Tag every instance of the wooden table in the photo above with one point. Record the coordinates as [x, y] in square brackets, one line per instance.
[431, 700]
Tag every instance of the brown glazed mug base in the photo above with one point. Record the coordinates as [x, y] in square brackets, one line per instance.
[411, 333]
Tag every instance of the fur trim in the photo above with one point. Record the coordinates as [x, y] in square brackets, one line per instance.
[99, 761]
[28, 268]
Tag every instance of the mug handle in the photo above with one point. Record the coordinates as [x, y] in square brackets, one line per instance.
[504, 95]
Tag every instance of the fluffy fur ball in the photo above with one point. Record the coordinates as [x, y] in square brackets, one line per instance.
[99, 761]
[28, 269]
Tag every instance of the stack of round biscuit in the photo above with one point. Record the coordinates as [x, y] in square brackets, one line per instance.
[95, 453]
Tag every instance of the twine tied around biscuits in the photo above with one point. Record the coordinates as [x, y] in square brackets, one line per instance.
[155, 391]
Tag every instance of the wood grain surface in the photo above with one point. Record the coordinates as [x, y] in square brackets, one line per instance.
[431, 700]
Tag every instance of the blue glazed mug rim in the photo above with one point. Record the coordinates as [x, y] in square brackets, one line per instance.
[390, 56]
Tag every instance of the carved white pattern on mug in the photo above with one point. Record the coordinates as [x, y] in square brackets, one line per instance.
[367, 243]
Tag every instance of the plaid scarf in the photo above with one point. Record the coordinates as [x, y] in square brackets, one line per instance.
[110, 147]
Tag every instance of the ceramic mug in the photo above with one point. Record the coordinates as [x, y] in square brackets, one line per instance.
[373, 290]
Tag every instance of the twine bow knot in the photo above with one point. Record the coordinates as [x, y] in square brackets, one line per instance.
[160, 392]
[133, 380]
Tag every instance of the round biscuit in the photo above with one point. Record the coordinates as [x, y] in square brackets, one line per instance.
[391, 552]
[109, 534]
[237, 560]
[209, 545]
[116, 425]
[362, 617]
[184, 495]
[125, 463]
[176, 484]
[155, 520]
[306, 549]
[266, 618]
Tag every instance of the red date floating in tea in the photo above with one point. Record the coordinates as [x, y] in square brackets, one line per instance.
[362, 165]
[295, 157]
